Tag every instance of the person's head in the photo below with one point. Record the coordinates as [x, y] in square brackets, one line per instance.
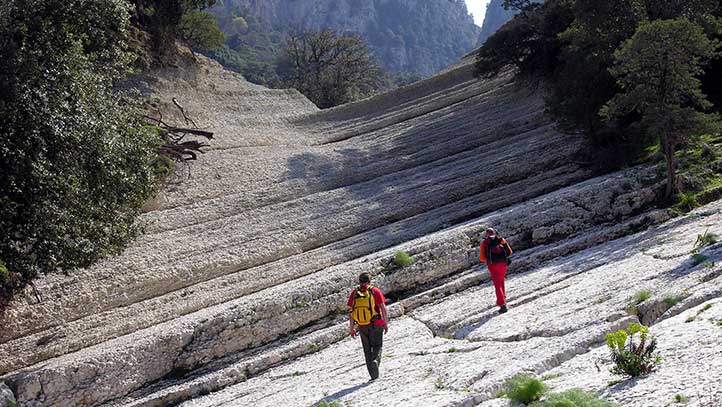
[490, 233]
[364, 279]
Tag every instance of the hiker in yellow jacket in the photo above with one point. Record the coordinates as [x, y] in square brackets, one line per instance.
[370, 320]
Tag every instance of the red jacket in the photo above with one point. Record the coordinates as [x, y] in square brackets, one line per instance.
[485, 243]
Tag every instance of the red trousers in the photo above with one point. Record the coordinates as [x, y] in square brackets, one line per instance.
[498, 273]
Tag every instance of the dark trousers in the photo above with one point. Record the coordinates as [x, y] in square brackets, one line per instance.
[372, 338]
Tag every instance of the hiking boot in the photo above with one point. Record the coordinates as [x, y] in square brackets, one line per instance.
[503, 309]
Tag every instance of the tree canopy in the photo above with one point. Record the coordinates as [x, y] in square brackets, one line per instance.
[331, 69]
[76, 157]
[658, 71]
[574, 49]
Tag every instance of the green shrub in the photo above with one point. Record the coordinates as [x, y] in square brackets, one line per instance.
[705, 239]
[672, 300]
[680, 398]
[685, 202]
[76, 156]
[524, 389]
[630, 357]
[574, 398]
[403, 259]
[199, 30]
[638, 298]
[334, 403]
[698, 258]
[641, 296]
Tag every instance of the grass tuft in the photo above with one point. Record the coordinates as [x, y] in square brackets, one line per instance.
[680, 398]
[524, 389]
[574, 398]
[403, 259]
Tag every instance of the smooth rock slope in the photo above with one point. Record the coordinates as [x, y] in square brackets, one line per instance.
[239, 285]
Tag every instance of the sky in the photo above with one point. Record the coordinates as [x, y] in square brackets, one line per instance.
[477, 8]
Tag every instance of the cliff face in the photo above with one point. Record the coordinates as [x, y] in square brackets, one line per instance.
[413, 36]
[495, 17]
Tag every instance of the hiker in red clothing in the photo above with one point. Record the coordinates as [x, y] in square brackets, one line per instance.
[495, 252]
[370, 320]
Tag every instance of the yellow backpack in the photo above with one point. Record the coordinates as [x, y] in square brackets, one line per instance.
[364, 306]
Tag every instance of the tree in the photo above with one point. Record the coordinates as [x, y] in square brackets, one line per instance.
[76, 157]
[161, 19]
[331, 69]
[658, 71]
[529, 41]
[200, 30]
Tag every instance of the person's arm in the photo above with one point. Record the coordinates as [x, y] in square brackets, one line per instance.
[482, 253]
[352, 324]
[508, 248]
[385, 316]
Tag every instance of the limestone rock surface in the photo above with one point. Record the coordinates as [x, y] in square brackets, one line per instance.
[236, 294]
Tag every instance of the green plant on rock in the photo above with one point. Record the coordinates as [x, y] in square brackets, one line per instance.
[638, 298]
[641, 296]
[672, 300]
[524, 389]
[631, 357]
[574, 398]
[705, 239]
[698, 258]
[324, 403]
[403, 259]
[681, 398]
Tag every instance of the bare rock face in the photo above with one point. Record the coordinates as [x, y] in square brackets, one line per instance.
[7, 398]
[240, 283]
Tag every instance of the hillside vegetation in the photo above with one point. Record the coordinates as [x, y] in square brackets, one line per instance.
[629, 74]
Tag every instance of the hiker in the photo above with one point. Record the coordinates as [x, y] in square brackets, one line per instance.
[495, 252]
[370, 320]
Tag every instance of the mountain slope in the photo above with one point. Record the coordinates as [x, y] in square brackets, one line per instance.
[247, 261]
[410, 36]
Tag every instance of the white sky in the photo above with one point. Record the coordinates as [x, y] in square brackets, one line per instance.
[478, 9]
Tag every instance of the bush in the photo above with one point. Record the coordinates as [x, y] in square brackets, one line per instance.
[641, 296]
[681, 398]
[403, 259]
[630, 357]
[76, 158]
[574, 398]
[698, 258]
[524, 389]
[199, 30]
[705, 239]
[334, 403]
[672, 300]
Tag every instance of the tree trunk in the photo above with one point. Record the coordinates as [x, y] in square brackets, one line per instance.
[670, 154]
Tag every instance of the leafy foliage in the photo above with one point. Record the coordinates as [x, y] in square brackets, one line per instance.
[574, 398]
[657, 70]
[524, 389]
[630, 357]
[332, 69]
[641, 296]
[333, 403]
[577, 49]
[705, 239]
[200, 30]
[76, 157]
[403, 259]
[162, 19]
